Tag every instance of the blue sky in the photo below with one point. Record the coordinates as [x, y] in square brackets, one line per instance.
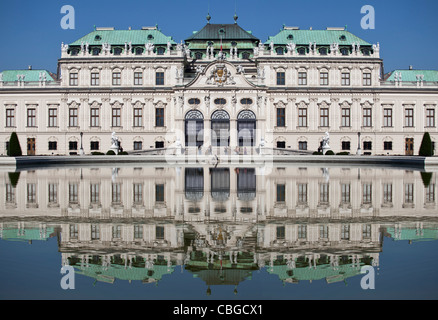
[31, 32]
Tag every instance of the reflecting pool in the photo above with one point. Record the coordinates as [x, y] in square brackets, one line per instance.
[202, 232]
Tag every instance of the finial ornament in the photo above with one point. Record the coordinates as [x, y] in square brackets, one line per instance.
[235, 18]
[208, 17]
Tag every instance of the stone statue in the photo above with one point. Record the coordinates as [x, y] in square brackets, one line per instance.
[169, 46]
[1, 77]
[64, 47]
[240, 69]
[256, 51]
[290, 47]
[325, 141]
[199, 69]
[114, 141]
[207, 101]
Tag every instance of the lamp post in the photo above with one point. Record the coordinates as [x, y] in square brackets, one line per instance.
[81, 151]
[359, 150]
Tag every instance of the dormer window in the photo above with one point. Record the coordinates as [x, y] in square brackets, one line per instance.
[279, 51]
[95, 51]
[150, 37]
[345, 52]
[117, 51]
[301, 51]
[198, 55]
[245, 55]
[160, 51]
[74, 52]
[290, 37]
[138, 51]
[323, 51]
[97, 38]
[366, 52]
[342, 38]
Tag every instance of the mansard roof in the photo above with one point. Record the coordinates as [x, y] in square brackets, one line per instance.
[411, 75]
[224, 31]
[29, 75]
[120, 37]
[321, 37]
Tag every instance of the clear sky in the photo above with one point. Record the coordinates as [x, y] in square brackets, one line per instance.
[32, 35]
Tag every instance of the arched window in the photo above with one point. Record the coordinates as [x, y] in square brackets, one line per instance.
[138, 51]
[160, 51]
[220, 128]
[301, 51]
[279, 51]
[245, 55]
[194, 129]
[117, 51]
[198, 55]
[246, 125]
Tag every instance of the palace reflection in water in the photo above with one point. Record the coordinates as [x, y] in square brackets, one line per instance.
[221, 224]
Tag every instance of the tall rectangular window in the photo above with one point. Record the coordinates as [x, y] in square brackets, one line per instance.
[345, 193]
[53, 193]
[159, 192]
[345, 79]
[302, 145]
[302, 78]
[302, 117]
[367, 79]
[94, 79]
[345, 145]
[159, 78]
[53, 145]
[116, 114]
[367, 117]
[409, 193]
[31, 117]
[387, 117]
[430, 193]
[138, 78]
[95, 232]
[117, 78]
[73, 193]
[138, 145]
[73, 117]
[387, 192]
[430, 117]
[10, 117]
[94, 193]
[53, 117]
[409, 117]
[281, 117]
[324, 117]
[159, 117]
[31, 193]
[116, 195]
[281, 192]
[366, 193]
[281, 79]
[94, 117]
[302, 193]
[324, 193]
[323, 79]
[345, 117]
[138, 193]
[138, 117]
[73, 79]
[94, 145]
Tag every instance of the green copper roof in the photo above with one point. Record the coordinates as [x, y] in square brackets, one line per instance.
[321, 37]
[120, 37]
[411, 75]
[227, 32]
[29, 75]
[413, 234]
[26, 234]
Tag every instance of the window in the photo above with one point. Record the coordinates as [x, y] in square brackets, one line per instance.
[367, 145]
[345, 79]
[117, 232]
[301, 51]
[194, 101]
[302, 193]
[138, 51]
[73, 79]
[53, 117]
[323, 51]
[94, 193]
[138, 193]
[345, 117]
[302, 117]
[323, 79]
[138, 117]
[387, 145]
[31, 193]
[281, 119]
[387, 193]
[31, 117]
[409, 117]
[159, 78]
[324, 193]
[53, 145]
[281, 144]
[387, 117]
[159, 232]
[323, 231]
[430, 193]
[94, 145]
[345, 193]
[95, 232]
[94, 79]
[116, 114]
[409, 193]
[159, 192]
[345, 232]
[159, 117]
[117, 78]
[72, 145]
[73, 196]
[366, 231]
[302, 231]
[366, 193]
[430, 117]
[280, 234]
[138, 78]
[53, 193]
[281, 79]
[367, 119]
[10, 117]
[116, 195]
[138, 145]
[117, 51]
[94, 117]
[302, 145]
[281, 194]
[345, 145]
[345, 51]
[73, 117]
[324, 117]
[220, 101]
[95, 51]
[245, 55]
[367, 79]
[246, 101]
[279, 51]
[302, 78]
[159, 144]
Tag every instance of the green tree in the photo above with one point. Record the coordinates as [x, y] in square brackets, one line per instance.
[14, 148]
[426, 149]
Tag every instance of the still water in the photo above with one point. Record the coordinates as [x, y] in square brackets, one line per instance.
[219, 233]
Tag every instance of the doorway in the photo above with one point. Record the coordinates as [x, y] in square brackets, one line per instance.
[30, 146]
[409, 149]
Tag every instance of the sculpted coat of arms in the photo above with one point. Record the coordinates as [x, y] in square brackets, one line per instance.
[220, 76]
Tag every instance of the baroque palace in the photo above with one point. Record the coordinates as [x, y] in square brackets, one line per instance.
[220, 89]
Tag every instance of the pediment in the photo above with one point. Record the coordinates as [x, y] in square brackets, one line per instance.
[220, 74]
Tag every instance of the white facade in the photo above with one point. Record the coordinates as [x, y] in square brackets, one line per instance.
[145, 98]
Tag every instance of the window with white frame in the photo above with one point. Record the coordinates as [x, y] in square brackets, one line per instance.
[367, 117]
[94, 117]
[387, 117]
[73, 117]
[345, 117]
[302, 78]
[409, 117]
[324, 78]
[53, 117]
[345, 79]
[367, 79]
[116, 117]
[117, 78]
[94, 78]
[10, 118]
[430, 118]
